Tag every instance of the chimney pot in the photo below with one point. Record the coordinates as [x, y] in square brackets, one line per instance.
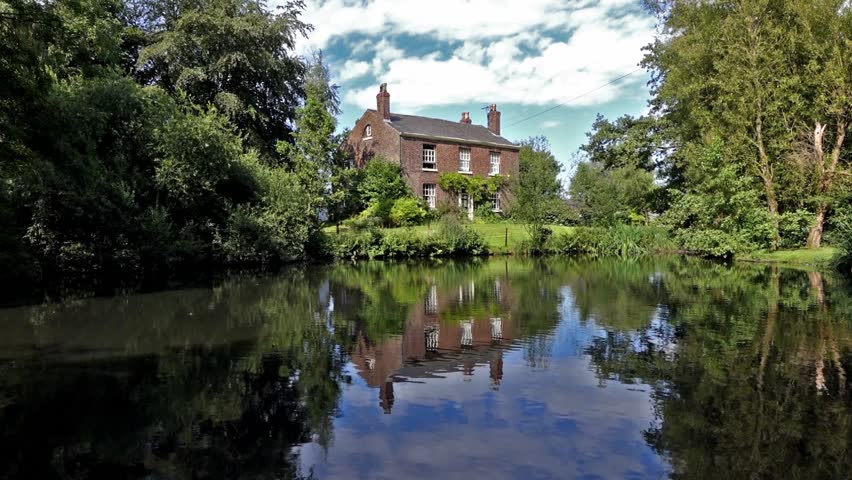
[466, 118]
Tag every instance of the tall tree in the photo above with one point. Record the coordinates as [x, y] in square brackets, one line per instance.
[824, 40]
[234, 54]
[314, 156]
[728, 67]
[538, 191]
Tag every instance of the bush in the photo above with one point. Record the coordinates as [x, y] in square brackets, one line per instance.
[456, 239]
[358, 244]
[623, 241]
[794, 228]
[539, 235]
[382, 181]
[710, 243]
[408, 211]
[485, 214]
[843, 241]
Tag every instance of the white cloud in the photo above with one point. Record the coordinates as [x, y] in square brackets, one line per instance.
[536, 52]
[550, 124]
[353, 69]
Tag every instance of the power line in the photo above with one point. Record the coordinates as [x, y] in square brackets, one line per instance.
[576, 98]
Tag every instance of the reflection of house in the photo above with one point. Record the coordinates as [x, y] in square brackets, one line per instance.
[431, 345]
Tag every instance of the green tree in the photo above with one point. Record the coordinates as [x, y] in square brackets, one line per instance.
[625, 142]
[824, 42]
[719, 214]
[608, 197]
[538, 191]
[731, 68]
[382, 182]
[236, 55]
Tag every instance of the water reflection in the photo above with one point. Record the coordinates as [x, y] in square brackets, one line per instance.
[502, 368]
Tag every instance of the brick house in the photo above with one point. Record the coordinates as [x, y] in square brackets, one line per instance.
[427, 147]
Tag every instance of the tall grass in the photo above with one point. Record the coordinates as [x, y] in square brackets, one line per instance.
[452, 238]
[624, 241]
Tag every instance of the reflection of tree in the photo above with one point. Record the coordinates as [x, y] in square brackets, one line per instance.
[210, 384]
[748, 372]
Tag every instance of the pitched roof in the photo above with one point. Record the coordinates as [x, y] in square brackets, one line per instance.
[438, 129]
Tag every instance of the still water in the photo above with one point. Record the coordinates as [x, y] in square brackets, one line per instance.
[493, 369]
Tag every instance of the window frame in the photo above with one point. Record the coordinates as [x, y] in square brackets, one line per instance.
[491, 164]
[434, 149]
[495, 202]
[434, 196]
[368, 132]
[466, 150]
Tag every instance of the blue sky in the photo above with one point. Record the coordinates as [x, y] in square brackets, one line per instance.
[442, 57]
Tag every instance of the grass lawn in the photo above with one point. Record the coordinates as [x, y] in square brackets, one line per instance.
[802, 256]
[493, 233]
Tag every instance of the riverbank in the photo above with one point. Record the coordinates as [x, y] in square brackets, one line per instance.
[500, 238]
[802, 257]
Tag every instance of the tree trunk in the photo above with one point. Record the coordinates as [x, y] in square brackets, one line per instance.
[815, 236]
[772, 205]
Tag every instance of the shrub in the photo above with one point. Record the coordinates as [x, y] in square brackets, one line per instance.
[382, 181]
[843, 241]
[623, 241]
[794, 228]
[456, 239]
[408, 211]
[485, 214]
[358, 244]
[710, 243]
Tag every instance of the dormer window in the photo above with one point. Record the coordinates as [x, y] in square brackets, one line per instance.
[368, 131]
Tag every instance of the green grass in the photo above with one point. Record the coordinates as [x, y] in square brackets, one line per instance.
[493, 233]
[803, 256]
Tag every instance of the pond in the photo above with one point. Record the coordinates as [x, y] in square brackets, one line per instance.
[501, 368]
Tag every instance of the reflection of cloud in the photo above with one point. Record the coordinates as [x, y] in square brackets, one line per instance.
[555, 423]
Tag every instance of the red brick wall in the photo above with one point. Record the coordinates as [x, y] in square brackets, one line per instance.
[448, 161]
[384, 142]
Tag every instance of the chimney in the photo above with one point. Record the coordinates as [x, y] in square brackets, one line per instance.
[494, 120]
[383, 102]
[466, 118]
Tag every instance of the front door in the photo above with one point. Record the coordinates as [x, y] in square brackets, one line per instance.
[466, 205]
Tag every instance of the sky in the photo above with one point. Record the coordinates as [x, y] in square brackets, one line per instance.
[444, 57]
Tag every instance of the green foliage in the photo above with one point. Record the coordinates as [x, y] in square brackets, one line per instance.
[538, 192]
[457, 239]
[452, 238]
[626, 142]
[408, 211]
[106, 178]
[236, 55]
[794, 228]
[606, 197]
[382, 181]
[479, 188]
[721, 214]
[843, 235]
[624, 241]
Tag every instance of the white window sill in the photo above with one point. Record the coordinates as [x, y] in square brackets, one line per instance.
[429, 169]
[366, 138]
[465, 173]
[497, 210]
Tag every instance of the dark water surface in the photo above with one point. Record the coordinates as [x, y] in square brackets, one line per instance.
[495, 369]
